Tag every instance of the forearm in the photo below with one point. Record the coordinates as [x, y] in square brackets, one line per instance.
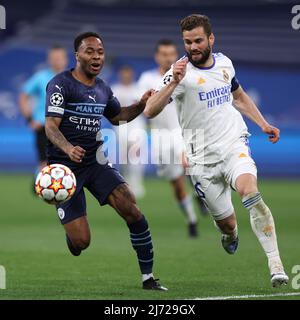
[159, 100]
[129, 113]
[58, 139]
[25, 106]
[248, 108]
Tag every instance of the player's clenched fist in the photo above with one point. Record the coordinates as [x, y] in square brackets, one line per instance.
[179, 69]
[76, 154]
[273, 132]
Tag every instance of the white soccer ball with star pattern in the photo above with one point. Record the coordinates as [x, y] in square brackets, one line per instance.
[55, 184]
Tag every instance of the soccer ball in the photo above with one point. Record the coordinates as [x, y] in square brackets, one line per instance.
[55, 184]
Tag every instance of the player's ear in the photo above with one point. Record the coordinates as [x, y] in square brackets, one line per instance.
[76, 55]
[211, 39]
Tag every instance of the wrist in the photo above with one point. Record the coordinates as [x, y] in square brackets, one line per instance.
[264, 125]
[141, 105]
[68, 149]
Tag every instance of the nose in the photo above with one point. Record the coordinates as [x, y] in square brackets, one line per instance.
[194, 46]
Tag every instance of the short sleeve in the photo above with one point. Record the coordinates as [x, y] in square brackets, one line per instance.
[234, 84]
[113, 107]
[166, 79]
[55, 98]
[31, 86]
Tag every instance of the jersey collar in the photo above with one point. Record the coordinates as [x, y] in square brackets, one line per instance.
[206, 68]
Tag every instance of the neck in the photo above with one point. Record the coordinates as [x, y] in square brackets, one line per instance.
[56, 71]
[79, 75]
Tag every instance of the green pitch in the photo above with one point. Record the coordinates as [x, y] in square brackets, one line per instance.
[39, 266]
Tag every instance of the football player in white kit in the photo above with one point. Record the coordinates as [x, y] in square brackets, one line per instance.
[167, 123]
[126, 90]
[211, 100]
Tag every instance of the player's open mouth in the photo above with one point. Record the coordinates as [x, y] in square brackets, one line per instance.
[95, 66]
[194, 54]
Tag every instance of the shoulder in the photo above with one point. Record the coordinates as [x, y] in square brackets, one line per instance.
[103, 86]
[148, 75]
[61, 78]
[222, 58]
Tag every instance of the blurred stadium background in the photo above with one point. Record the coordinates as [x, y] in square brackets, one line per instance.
[258, 37]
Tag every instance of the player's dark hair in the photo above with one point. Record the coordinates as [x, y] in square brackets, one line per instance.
[196, 20]
[56, 47]
[82, 36]
[164, 42]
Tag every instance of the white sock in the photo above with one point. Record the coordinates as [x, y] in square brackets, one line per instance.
[147, 276]
[263, 226]
[187, 206]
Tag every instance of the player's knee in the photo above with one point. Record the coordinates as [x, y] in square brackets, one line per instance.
[82, 242]
[246, 190]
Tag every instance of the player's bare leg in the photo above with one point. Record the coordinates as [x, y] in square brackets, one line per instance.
[262, 225]
[228, 228]
[78, 235]
[123, 201]
[186, 203]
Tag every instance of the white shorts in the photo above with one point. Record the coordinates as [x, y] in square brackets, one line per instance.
[213, 182]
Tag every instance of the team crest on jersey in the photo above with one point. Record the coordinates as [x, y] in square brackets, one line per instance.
[56, 99]
[61, 213]
[167, 79]
[225, 75]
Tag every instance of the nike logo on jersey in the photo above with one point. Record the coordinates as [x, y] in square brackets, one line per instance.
[59, 88]
[93, 98]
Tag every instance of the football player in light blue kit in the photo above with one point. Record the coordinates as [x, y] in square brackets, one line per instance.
[33, 96]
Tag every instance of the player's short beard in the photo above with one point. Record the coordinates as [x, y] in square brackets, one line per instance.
[205, 56]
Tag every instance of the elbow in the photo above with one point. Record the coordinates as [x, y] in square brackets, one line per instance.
[147, 114]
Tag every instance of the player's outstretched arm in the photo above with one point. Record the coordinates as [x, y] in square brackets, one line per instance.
[247, 107]
[159, 100]
[58, 139]
[127, 114]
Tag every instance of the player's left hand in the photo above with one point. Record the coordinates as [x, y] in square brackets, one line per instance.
[273, 132]
[146, 96]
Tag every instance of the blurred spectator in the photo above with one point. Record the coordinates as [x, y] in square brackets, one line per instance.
[165, 55]
[33, 98]
[126, 92]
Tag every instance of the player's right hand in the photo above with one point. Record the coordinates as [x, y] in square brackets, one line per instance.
[179, 69]
[76, 154]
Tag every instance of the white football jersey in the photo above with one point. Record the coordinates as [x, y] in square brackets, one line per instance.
[128, 95]
[168, 118]
[209, 121]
